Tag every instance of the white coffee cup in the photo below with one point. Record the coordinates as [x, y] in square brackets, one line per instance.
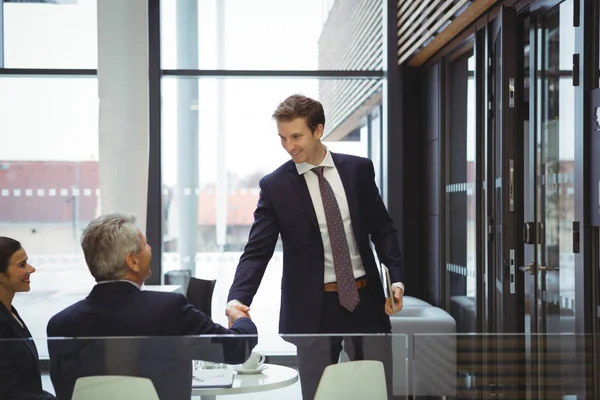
[254, 362]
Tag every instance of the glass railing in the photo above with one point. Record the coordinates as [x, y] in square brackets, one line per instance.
[466, 366]
[207, 366]
[507, 366]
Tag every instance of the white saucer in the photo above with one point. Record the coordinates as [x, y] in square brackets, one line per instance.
[240, 370]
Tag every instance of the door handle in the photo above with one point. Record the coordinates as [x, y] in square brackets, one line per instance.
[528, 233]
[533, 233]
[547, 268]
[529, 268]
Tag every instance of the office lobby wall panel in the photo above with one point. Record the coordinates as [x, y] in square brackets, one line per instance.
[432, 176]
[430, 249]
[413, 174]
[429, 132]
[430, 103]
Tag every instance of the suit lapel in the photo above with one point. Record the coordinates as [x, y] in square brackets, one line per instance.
[299, 184]
[349, 183]
[18, 331]
[29, 343]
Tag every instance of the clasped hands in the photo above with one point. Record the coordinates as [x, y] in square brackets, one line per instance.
[235, 311]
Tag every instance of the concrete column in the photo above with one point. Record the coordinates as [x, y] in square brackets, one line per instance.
[123, 95]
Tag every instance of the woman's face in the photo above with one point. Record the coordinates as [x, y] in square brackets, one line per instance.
[16, 277]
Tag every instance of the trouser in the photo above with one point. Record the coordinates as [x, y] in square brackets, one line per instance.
[337, 323]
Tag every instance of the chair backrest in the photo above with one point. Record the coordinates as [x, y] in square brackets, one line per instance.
[179, 277]
[200, 292]
[363, 379]
[114, 387]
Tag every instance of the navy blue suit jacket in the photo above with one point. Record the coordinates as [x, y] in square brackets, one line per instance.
[20, 377]
[119, 309]
[285, 208]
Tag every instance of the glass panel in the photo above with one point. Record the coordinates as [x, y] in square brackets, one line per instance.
[476, 369]
[529, 177]
[49, 185]
[497, 266]
[556, 147]
[219, 140]
[529, 280]
[199, 365]
[461, 242]
[51, 34]
[556, 189]
[272, 34]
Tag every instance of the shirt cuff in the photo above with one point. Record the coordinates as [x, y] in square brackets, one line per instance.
[237, 302]
[396, 284]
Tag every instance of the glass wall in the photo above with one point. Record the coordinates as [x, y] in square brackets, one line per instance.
[555, 148]
[268, 34]
[50, 34]
[49, 187]
[234, 144]
[229, 65]
[218, 138]
[460, 184]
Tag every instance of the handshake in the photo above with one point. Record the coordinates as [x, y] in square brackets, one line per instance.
[236, 310]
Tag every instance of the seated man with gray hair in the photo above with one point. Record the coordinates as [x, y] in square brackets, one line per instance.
[118, 257]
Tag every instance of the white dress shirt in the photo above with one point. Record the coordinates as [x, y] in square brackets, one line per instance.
[330, 173]
[121, 280]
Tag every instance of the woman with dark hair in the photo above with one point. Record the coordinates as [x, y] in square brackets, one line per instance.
[20, 377]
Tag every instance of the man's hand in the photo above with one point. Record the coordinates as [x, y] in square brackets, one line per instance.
[398, 293]
[235, 311]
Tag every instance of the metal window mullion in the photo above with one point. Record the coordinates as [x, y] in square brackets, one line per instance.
[43, 72]
[1, 34]
[154, 211]
[227, 73]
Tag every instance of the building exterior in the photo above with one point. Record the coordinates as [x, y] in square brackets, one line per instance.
[47, 204]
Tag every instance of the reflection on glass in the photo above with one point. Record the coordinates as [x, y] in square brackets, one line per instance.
[51, 34]
[529, 178]
[550, 192]
[460, 253]
[496, 251]
[242, 119]
[555, 147]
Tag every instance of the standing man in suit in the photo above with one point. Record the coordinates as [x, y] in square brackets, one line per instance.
[118, 257]
[326, 207]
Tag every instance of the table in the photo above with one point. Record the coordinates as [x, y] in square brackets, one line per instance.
[274, 377]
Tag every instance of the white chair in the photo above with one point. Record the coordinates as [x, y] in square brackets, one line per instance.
[409, 301]
[114, 387]
[353, 380]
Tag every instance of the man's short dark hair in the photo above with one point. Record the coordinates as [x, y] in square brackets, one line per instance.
[300, 106]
